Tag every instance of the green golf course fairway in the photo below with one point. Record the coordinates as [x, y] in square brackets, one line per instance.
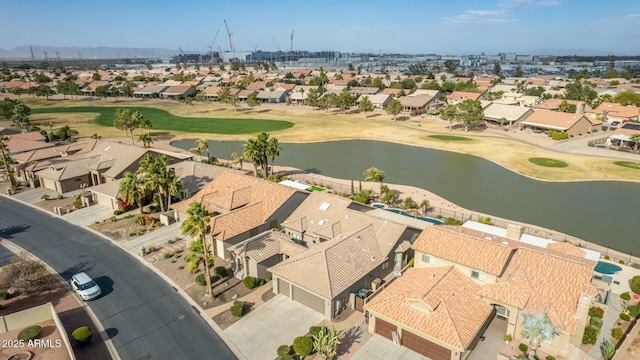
[163, 120]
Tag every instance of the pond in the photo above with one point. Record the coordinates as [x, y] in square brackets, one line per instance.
[602, 212]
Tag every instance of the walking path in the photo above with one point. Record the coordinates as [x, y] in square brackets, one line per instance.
[610, 317]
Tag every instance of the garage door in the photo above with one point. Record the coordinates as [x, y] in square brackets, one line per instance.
[304, 297]
[283, 288]
[424, 347]
[49, 184]
[384, 328]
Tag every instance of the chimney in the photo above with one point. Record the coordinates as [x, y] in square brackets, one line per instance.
[580, 109]
[514, 231]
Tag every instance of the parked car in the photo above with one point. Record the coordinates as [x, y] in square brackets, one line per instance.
[85, 286]
[615, 123]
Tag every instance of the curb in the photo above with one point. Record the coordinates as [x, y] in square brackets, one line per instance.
[216, 328]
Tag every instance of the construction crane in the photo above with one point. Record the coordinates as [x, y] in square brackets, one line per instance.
[291, 48]
[184, 56]
[277, 46]
[58, 56]
[211, 46]
[230, 34]
[33, 57]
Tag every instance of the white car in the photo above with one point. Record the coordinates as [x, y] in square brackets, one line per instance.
[85, 286]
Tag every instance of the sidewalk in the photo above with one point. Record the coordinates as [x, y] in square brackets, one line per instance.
[610, 317]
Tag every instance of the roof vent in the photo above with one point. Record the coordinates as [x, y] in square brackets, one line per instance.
[373, 258]
[505, 243]
[324, 206]
[488, 237]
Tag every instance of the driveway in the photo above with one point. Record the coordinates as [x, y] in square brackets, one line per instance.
[380, 348]
[276, 322]
[34, 195]
[89, 215]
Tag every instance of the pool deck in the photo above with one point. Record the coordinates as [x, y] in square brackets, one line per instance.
[623, 277]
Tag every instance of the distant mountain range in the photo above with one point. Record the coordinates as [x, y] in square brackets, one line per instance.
[100, 52]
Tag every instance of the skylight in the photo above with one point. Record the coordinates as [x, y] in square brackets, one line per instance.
[324, 206]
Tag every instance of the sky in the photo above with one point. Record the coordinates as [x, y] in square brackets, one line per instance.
[399, 26]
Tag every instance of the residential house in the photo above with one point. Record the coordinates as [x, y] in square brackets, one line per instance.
[614, 112]
[356, 91]
[517, 272]
[458, 96]
[153, 91]
[300, 92]
[379, 101]
[554, 104]
[506, 115]
[394, 92]
[275, 96]
[411, 104]
[433, 311]
[572, 124]
[27, 141]
[350, 247]
[178, 91]
[241, 207]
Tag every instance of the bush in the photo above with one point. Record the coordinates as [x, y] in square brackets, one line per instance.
[181, 267]
[617, 333]
[607, 257]
[635, 284]
[590, 335]
[60, 197]
[30, 333]
[261, 282]
[77, 202]
[237, 308]
[625, 296]
[82, 334]
[625, 317]
[621, 262]
[5, 295]
[167, 255]
[249, 282]
[410, 263]
[635, 266]
[597, 312]
[201, 280]
[549, 357]
[303, 345]
[220, 271]
[596, 322]
[451, 221]
[269, 278]
[523, 347]
[284, 350]
[44, 197]
[314, 330]
[286, 357]
[634, 310]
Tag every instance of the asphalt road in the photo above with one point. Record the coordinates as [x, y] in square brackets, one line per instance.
[143, 315]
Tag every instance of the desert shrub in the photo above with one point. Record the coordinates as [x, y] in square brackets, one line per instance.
[82, 334]
[167, 255]
[201, 280]
[621, 262]
[60, 197]
[5, 295]
[523, 347]
[237, 308]
[451, 221]
[220, 271]
[625, 317]
[410, 263]
[181, 267]
[284, 350]
[286, 357]
[249, 282]
[77, 202]
[314, 330]
[635, 284]
[596, 322]
[303, 345]
[635, 266]
[261, 282]
[634, 310]
[170, 241]
[269, 278]
[617, 333]
[117, 212]
[590, 335]
[596, 312]
[30, 333]
[44, 197]
[607, 257]
[625, 296]
[152, 249]
[549, 357]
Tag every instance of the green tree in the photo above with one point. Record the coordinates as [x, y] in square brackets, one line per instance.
[627, 98]
[258, 150]
[4, 151]
[608, 349]
[394, 108]
[389, 197]
[122, 120]
[449, 114]
[518, 72]
[469, 112]
[136, 121]
[252, 101]
[564, 106]
[102, 91]
[329, 101]
[451, 66]
[577, 91]
[537, 328]
[20, 117]
[374, 174]
[408, 203]
[148, 125]
[6, 107]
[197, 226]
[345, 100]
[202, 146]
[497, 69]
[273, 150]
[237, 159]
[67, 87]
[44, 90]
[145, 140]
[365, 105]
[424, 205]
[133, 189]
[203, 99]
[224, 95]
[96, 76]
[313, 98]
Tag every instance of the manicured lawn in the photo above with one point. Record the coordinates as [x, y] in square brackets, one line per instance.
[316, 188]
[628, 164]
[449, 138]
[548, 162]
[163, 120]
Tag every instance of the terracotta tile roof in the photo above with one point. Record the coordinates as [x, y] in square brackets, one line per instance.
[390, 91]
[463, 95]
[537, 280]
[616, 109]
[333, 266]
[438, 302]
[178, 89]
[468, 247]
[266, 245]
[554, 104]
[22, 142]
[254, 201]
[556, 119]
[566, 248]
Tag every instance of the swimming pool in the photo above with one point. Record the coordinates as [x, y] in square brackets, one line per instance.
[607, 268]
[402, 212]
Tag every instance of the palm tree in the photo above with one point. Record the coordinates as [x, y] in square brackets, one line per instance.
[148, 125]
[252, 153]
[197, 226]
[424, 205]
[145, 139]
[237, 159]
[174, 186]
[202, 146]
[374, 174]
[635, 138]
[273, 150]
[301, 91]
[4, 149]
[187, 101]
[133, 189]
[537, 328]
[136, 120]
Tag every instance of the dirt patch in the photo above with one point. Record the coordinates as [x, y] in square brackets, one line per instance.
[124, 228]
[225, 319]
[65, 203]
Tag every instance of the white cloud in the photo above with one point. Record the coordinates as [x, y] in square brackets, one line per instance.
[633, 15]
[481, 16]
[518, 4]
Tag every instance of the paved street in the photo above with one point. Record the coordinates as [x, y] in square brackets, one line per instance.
[143, 315]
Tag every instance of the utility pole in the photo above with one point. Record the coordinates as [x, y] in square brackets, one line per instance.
[291, 48]
[33, 57]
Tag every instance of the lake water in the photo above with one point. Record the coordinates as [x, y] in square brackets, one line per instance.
[601, 212]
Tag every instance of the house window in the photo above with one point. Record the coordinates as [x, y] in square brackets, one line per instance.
[478, 275]
[502, 312]
[295, 236]
[385, 264]
[428, 259]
